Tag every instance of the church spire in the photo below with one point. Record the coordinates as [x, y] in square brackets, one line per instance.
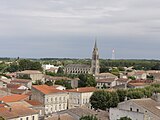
[95, 45]
[95, 60]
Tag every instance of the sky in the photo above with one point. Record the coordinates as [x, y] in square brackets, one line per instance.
[68, 28]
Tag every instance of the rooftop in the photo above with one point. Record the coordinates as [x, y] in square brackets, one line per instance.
[78, 66]
[47, 89]
[34, 102]
[30, 72]
[15, 111]
[108, 80]
[13, 98]
[149, 104]
[83, 89]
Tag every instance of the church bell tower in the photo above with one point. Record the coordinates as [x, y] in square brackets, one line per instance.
[95, 60]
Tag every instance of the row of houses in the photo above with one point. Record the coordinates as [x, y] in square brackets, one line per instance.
[45, 101]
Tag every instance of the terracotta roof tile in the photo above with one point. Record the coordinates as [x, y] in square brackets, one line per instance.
[83, 89]
[13, 98]
[34, 102]
[46, 89]
[108, 80]
[15, 111]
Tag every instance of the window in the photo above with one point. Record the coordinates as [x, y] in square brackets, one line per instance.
[21, 119]
[51, 99]
[26, 118]
[32, 117]
[130, 109]
[56, 99]
[137, 110]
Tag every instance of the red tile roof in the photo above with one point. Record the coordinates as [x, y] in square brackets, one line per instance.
[13, 98]
[83, 89]
[108, 80]
[46, 89]
[15, 86]
[14, 111]
[34, 102]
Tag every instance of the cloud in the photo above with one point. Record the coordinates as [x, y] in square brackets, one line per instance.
[117, 23]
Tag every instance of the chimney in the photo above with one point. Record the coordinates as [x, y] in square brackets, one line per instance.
[10, 109]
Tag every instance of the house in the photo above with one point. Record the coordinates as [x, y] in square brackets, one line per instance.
[50, 68]
[52, 99]
[17, 112]
[138, 74]
[139, 83]
[32, 74]
[138, 109]
[38, 106]
[105, 76]
[121, 83]
[24, 82]
[80, 97]
[106, 83]
[78, 112]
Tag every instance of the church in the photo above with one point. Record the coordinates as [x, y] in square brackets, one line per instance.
[85, 69]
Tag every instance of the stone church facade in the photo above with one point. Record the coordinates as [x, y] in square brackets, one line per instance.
[85, 69]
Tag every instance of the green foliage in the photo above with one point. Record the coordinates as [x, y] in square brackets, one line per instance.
[86, 80]
[25, 64]
[49, 83]
[121, 94]
[132, 78]
[13, 68]
[115, 71]
[114, 100]
[60, 70]
[104, 100]
[88, 117]
[135, 95]
[65, 83]
[125, 118]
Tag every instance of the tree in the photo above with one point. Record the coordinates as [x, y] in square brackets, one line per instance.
[114, 100]
[60, 70]
[86, 80]
[125, 118]
[121, 94]
[88, 117]
[25, 64]
[65, 83]
[135, 94]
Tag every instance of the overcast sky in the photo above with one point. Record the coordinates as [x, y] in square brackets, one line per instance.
[68, 28]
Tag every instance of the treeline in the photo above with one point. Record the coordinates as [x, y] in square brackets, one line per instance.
[20, 65]
[104, 100]
[137, 64]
